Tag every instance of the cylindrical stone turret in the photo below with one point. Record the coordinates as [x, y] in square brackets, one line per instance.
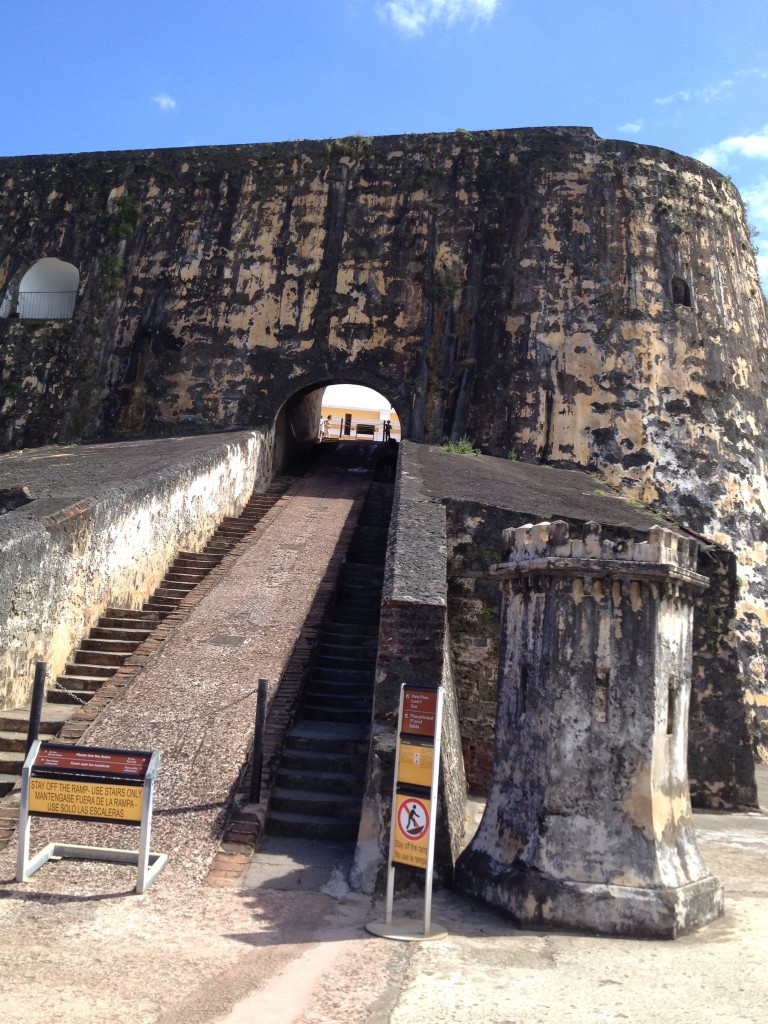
[588, 821]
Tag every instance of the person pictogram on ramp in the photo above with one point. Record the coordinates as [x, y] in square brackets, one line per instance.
[413, 825]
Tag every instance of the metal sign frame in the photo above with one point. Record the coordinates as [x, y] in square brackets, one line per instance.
[418, 792]
[149, 864]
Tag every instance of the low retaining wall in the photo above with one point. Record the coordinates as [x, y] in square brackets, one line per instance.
[59, 572]
[413, 648]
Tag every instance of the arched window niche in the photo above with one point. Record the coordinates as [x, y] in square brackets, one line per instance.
[48, 290]
[681, 292]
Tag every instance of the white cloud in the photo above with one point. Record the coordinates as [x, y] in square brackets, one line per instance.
[413, 16]
[753, 146]
[682, 95]
[165, 102]
[706, 94]
[631, 127]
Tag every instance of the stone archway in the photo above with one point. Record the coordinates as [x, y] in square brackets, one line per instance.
[297, 419]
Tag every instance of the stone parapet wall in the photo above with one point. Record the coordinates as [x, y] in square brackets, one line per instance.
[58, 573]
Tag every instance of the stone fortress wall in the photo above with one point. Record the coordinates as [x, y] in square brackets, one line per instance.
[570, 300]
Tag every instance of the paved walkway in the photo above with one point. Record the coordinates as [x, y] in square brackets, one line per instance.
[77, 947]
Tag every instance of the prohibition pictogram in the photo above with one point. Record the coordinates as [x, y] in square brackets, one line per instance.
[413, 819]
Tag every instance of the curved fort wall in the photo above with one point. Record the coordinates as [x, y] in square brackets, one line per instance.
[572, 300]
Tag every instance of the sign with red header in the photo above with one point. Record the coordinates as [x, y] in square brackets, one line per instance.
[89, 784]
[59, 758]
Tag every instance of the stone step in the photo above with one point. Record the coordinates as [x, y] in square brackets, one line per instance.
[13, 742]
[83, 669]
[11, 762]
[187, 578]
[77, 683]
[97, 645]
[360, 677]
[333, 630]
[163, 605]
[358, 619]
[8, 782]
[349, 646]
[170, 593]
[326, 804]
[332, 783]
[332, 737]
[113, 622]
[188, 572]
[324, 761]
[304, 826]
[92, 657]
[197, 558]
[324, 712]
[133, 636]
[329, 689]
[327, 660]
[55, 696]
[128, 613]
[17, 720]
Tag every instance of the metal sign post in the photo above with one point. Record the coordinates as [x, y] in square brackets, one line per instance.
[89, 784]
[414, 805]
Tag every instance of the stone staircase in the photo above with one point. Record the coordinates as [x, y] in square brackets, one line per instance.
[118, 633]
[319, 784]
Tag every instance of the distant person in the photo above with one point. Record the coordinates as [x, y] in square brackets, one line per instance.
[321, 431]
[388, 462]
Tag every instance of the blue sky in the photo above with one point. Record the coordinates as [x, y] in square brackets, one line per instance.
[689, 75]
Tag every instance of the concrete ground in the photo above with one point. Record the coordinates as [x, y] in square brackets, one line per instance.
[289, 945]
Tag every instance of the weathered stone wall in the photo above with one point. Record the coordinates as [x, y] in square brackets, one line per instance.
[59, 572]
[474, 544]
[588, 822]
[571, 299]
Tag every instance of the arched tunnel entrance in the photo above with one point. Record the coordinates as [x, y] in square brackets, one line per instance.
[357, 411]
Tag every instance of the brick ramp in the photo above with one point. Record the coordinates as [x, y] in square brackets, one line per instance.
[195, 699]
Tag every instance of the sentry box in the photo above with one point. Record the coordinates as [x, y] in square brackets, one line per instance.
[89, 784]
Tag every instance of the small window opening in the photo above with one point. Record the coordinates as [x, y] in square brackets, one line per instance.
[671, 707]
[48, 291]
[681, 293]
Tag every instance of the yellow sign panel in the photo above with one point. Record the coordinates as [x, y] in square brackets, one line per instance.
[85, 799]
[414, 767]
[413, 816]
